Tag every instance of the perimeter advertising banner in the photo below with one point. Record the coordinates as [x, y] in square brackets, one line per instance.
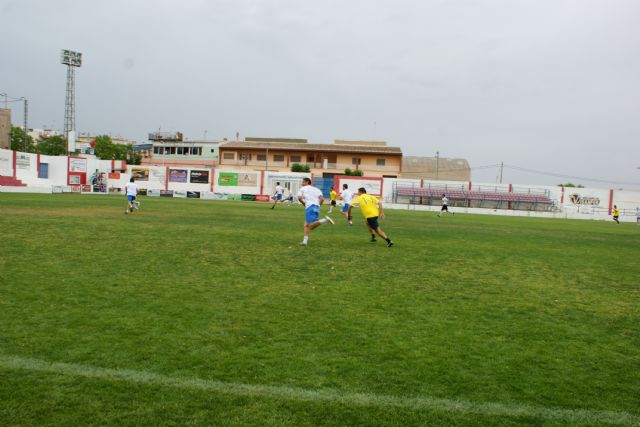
[247, 179]
[140, 174]
[77, 164]
[234, 179]
[199, 176]
[23, 161]
[177, 175]
[228, 179]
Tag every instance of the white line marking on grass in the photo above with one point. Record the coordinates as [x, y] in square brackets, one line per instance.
[590, 416]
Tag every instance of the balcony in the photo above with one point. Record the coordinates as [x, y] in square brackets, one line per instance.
[331, 167]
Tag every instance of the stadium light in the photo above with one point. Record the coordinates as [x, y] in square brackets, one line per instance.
[72, 60]
[69, 57]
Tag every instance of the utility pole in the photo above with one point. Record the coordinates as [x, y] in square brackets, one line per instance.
[501, 166]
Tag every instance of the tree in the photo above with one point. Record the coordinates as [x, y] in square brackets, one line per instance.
[353, 172]
[52, 146]
[17, 140]
[297, 167]
[571, 185]
[105, 149]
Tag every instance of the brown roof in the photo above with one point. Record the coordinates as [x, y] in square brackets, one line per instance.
[326, 148]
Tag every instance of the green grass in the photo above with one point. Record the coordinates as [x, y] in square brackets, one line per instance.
[202, 312]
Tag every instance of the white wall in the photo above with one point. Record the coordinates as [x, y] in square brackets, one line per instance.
[6, 162]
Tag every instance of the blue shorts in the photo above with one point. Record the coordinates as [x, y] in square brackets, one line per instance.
[345, 208]
[131, 198]
[311, 214]
[278, 196]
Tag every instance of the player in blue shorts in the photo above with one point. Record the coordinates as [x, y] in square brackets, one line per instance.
[311, 198]
[131, 190]
[278, 195]
[347, 197]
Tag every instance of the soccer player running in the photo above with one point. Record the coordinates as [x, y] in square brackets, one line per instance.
[347, 197]
[445, 206]
[278, 195]
[131, 190]
[311, 198]
[616, 214]
[371, 209]
[332, 198]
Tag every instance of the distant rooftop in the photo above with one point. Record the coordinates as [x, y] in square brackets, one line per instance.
[278, 144]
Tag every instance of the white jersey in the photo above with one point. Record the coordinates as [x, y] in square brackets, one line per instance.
[131, 189]
[279, 189]
[445, 201]
[311, 195]
[347, 196]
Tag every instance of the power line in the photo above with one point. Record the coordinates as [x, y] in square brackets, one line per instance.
[558, 175]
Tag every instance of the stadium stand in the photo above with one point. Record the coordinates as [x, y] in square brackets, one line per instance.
[10, 181]
[458, 195]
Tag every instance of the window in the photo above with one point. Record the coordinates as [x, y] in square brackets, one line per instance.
[278, 158]
[196, 151]
[172, 150]
[380, 162]
[310, 158]
[44, 170]
[213, 150]
[295, 159]
[245, 156]
[161, 150]
[156, 150]
[356, 161]
[229, 156]
[180, 150]
[261, 157]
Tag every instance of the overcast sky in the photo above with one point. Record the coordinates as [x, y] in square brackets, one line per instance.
[546, 85]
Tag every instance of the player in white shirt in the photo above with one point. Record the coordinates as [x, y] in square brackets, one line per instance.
[278, 195]
[311, 198]
[131, 190]
[347, 197]
[445, 206]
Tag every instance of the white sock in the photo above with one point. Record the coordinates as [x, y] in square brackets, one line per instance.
[305, 239]
[322, 221]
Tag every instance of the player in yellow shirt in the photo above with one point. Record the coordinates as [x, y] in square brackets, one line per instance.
[332, 198]
[616, 214]
[371, 209]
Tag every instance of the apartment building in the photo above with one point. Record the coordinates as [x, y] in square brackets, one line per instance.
[374, 158]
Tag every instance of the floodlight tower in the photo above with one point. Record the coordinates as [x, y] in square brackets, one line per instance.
[72, 60]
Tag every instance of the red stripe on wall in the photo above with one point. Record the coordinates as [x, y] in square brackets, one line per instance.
[15, 163]
[261, 182]
[610, 201]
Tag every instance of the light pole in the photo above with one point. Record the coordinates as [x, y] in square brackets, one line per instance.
[24, 141]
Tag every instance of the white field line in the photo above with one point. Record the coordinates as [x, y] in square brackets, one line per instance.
[327, 395]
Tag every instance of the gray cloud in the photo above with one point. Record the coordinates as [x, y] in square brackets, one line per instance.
[549, 85]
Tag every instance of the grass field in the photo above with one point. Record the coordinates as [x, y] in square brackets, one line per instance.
[209, 313]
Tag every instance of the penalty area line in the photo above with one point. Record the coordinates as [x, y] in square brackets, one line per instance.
[289, 393]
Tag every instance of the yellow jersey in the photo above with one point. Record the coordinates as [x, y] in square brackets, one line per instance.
[332, 195]
[368, 205]
[616, 212]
